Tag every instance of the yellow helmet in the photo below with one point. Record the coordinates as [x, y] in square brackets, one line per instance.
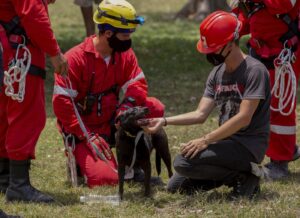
[119, 14]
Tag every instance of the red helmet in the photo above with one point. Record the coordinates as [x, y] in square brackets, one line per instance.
[216, 30]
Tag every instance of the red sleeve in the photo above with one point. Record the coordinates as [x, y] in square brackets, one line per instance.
[62, 104]
[279, 6]
[135, 84]
[36, 22]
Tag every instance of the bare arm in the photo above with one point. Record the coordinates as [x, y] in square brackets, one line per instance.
[205, 107]
[237, 122]
[234, 124]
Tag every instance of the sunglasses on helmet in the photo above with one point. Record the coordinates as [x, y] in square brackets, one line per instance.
[138, 20]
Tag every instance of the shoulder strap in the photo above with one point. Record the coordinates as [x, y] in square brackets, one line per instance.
[292, 25]
[249, 7]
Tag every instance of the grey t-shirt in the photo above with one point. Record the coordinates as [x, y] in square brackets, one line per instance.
[249, 81]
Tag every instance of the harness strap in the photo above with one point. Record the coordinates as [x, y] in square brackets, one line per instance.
[11, 36]
[37, 71]
[13, 26]
[99, 96]
[112, 89]
[291, 36]
[1, 67]
[8, 55]
[268, 62]
[15, 33]
[249, 8]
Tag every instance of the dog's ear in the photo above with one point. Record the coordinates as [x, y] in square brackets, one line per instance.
[121, 118]
[147, 111]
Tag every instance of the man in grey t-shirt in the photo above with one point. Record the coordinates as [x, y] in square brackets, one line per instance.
[239, 87]
[249, 80]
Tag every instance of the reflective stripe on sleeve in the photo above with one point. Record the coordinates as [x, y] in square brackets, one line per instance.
[138, 77]
[293, 2]
[58, 90]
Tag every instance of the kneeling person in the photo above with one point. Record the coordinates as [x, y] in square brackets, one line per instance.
[238, 86]
[100, 67]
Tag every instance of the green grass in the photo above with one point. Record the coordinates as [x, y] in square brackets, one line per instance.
[176, 73]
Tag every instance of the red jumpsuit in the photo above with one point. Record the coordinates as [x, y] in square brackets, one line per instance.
[266, 29]
[89, 72]
[22, 123]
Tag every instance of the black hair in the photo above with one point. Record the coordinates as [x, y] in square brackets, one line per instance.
[101, 32]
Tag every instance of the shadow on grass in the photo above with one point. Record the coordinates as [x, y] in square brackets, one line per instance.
[217, 196]
[292, 178]
[190, 201]
[63, 199]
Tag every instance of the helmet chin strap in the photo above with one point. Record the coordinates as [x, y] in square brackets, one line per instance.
[223, 50]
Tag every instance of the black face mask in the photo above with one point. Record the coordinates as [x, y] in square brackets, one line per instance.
[217, 59]
[119, 45]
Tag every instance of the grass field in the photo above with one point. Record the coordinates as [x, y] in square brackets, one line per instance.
[176, 74]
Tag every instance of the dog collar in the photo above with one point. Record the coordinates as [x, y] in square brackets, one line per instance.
[129, 134]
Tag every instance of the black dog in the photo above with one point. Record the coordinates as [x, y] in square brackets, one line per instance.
[134, 146]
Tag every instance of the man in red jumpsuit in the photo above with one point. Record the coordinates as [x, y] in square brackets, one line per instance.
[27, 22]
[274, 25]
[99, 68]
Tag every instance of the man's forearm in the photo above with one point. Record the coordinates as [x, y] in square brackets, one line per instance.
[198, 116]
[190, 118]
[227, 129]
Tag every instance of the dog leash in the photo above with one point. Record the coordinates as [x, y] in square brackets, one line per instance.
[136, 141]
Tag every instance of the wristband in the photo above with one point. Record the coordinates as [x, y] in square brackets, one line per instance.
[165, 121]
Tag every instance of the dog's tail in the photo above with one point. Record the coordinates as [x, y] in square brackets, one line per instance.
[158, 163]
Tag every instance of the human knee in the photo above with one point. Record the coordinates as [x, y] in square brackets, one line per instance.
[172, 187]
[100, 180]
[175, 183]
[181, 166]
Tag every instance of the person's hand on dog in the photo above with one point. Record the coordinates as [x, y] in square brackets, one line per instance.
[151, 125]
[193, 147]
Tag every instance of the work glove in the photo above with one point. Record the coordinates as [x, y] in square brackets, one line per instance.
[99, 148]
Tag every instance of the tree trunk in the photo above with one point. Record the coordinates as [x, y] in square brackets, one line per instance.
[199, 9]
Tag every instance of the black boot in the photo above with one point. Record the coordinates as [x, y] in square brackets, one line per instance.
[246, 185]
[19, 188]
[4, 174]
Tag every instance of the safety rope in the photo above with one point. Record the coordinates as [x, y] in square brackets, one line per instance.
[285, 85]
[82, 126]
[70, 147]
[17, 73]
